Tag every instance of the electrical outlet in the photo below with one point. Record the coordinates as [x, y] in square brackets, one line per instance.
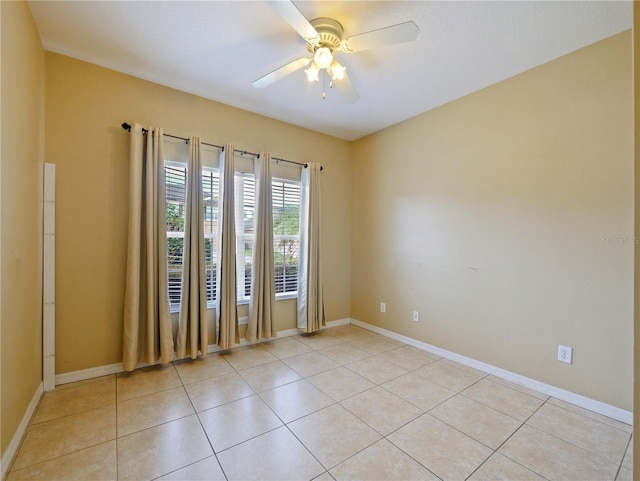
[416, 316]
[383, 307]
[565, 354]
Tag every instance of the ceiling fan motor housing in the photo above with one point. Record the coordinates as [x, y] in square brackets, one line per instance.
[330, 32]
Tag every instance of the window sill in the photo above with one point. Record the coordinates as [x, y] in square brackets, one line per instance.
[287, 295]
[242, 302]
[279, 297]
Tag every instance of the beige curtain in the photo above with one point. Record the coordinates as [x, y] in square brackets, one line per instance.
[310, 296]
[192, 325]
[226, 308]
[263, 297]
[147, 323]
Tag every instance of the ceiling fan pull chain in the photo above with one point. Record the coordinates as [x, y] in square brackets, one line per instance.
[324, 82]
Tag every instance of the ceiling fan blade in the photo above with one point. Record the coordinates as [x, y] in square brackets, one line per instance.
[403, 32]
[281, 72]
[346, 89]
[287, 10]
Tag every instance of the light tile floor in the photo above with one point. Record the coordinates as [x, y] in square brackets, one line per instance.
[344, 403]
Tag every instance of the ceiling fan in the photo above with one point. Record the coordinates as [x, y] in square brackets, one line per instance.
[325, 38]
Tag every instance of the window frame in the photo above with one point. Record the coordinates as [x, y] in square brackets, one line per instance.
[247, 179]
[211, 302]
[278, 180]
[213, 235]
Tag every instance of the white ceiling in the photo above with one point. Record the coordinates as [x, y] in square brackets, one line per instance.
[216, 49]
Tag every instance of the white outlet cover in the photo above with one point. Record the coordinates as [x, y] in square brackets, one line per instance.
[383, 307]
[565, 354]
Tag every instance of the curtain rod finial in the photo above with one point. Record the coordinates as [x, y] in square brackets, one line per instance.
[307, 165]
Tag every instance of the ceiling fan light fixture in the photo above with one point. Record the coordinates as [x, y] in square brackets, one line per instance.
[312, 72]
[336, 70]
[323, 57]
[324, 37]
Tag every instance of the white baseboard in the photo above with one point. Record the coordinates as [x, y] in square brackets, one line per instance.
[339, 322]
[12, 448]
[116, 368]
[84, 374]
[570, 397]
[288, 333]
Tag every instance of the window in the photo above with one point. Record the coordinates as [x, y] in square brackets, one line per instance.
[175, 182]
[211, 198]
[286, 234]
[245, 197]
[286, 231]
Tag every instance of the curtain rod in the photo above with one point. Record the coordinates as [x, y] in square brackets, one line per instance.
[127, 127]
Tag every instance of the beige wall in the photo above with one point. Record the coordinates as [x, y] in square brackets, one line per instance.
[23, 71]
[85, 105]
[490, 215]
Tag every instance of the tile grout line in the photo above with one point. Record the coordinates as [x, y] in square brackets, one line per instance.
[588, 417]
[326, 470]
[622, 460]
[506, 440]
[115, 388]
[423, 412]
[285, 424]
[569, 442]
[460, 393]
[32, 425]
[197, 414]
[406, 453]
[335, 402]
[255, 393]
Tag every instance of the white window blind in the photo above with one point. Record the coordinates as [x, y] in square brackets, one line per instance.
[211, 199]
[175, 181]
[245, 195]
[286, 234]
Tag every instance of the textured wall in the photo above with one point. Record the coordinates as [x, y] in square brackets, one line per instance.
[23, 73]
[506, 219]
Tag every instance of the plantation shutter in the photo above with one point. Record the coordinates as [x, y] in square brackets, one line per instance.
[286, 234]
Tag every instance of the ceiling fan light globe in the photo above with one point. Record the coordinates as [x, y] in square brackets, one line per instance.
[323, 57]
[312, 72]
[336, 70]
